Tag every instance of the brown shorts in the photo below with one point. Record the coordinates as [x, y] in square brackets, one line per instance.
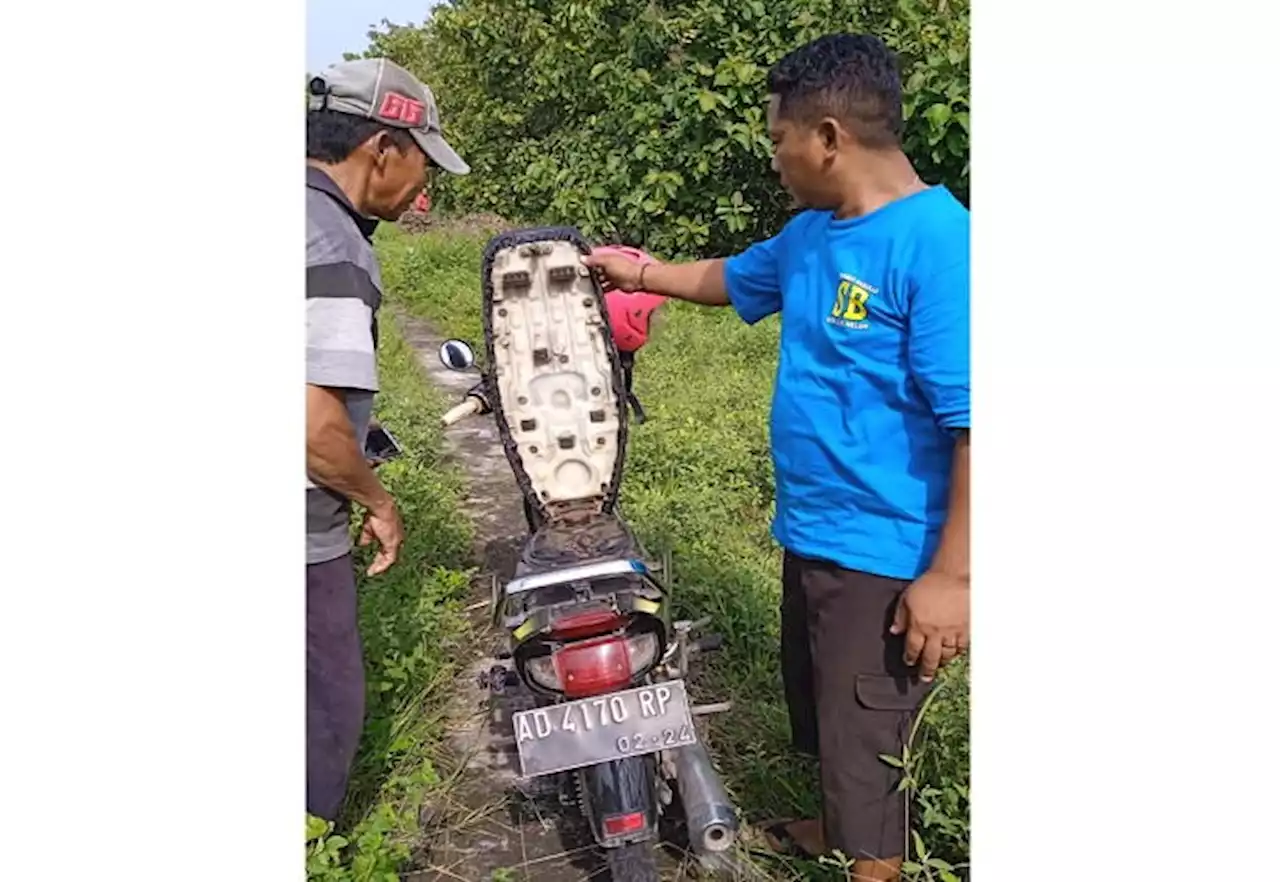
[851, 699]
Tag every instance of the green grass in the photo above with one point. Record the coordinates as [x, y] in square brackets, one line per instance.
[699, 483]
[413, 628]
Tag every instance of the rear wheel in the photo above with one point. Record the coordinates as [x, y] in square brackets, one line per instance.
[633, 862]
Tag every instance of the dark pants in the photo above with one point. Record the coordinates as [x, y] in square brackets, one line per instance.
[851, 699]
[335, 684]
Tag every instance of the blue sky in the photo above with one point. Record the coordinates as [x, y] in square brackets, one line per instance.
[337, 26]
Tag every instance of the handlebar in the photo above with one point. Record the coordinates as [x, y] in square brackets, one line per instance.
[471, 406]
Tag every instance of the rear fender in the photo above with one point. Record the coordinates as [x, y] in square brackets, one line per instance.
[621, 787]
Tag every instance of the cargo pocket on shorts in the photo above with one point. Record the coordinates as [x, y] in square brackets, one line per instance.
[896, 699]
[885, 693]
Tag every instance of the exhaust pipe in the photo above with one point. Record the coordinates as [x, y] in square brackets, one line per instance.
[713, 824]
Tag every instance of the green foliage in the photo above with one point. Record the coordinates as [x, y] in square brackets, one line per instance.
[703, 488]
[414, 630]
[436, 275]
[644, 122]
[935, 764]
[373, 853]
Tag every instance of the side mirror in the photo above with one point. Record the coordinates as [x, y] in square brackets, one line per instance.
[457, 355]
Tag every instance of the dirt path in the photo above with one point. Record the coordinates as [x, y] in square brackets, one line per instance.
[485, 830]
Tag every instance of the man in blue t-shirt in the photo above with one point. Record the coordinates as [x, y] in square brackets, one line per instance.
[869, 430]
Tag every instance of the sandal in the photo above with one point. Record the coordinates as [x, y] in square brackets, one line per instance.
[777, 835]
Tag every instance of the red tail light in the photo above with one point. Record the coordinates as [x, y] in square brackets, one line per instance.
[587, 624]
[593, 667]
[621, 825]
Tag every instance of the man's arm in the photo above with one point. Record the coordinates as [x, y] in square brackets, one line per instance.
[952, 555]
[341, 299]
[750, 281]
[699, 282]
[334, 460]
[934, 610]
[938, 356]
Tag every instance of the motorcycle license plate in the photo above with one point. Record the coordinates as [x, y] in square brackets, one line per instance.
[596, 730]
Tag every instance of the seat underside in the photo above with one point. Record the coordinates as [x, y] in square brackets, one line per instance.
[553, 371]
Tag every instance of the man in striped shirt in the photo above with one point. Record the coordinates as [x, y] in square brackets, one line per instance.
[373, 133]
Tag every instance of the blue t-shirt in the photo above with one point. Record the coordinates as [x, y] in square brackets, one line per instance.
[873, 376]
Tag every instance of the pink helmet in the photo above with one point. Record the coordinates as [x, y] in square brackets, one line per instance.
[629, 312]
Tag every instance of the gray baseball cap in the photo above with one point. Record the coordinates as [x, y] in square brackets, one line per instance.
[382, 90]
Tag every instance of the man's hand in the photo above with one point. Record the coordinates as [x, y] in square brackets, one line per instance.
[382, 524]
[699, 282]
[616, 270]
[934, 614]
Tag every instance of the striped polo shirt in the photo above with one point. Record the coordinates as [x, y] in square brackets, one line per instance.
[344, 291]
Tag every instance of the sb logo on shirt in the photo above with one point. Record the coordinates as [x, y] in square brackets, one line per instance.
[850, 307]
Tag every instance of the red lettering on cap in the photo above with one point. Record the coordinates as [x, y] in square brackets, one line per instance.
[402, 109]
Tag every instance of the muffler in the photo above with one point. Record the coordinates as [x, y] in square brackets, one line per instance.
[712, 822]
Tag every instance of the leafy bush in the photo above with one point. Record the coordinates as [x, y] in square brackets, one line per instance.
[643, 121]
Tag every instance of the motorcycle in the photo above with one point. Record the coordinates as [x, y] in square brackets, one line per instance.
[587, 616]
